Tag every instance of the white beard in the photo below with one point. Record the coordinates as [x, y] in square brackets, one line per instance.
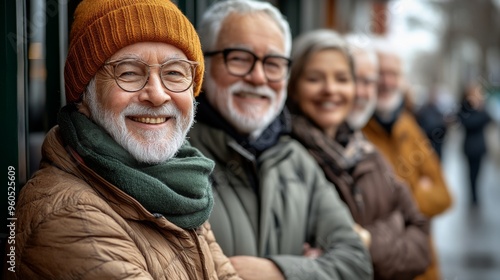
[386, 107]
[358, 118]
[251, 121]
[156, 145]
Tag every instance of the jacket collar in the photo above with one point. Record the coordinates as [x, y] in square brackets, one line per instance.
[270, 136]
[55, 153]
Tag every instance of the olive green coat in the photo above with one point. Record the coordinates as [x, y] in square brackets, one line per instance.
[271, 205]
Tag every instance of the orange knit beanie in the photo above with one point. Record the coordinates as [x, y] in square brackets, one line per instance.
[102, 27]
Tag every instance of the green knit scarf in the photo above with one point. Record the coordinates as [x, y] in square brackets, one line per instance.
[178, 188]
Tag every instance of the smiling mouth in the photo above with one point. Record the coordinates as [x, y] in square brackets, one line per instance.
[149, 120]
[250, 95]
[328, 105]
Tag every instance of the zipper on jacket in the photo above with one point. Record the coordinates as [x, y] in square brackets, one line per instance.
[194, 235]
[358, 198]
[251, 161]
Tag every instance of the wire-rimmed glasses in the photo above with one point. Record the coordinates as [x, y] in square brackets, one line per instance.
[132, 75]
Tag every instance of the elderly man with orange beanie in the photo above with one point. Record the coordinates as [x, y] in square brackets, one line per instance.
[120, 194]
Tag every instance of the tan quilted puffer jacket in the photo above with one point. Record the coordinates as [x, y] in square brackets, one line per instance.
[72, 224]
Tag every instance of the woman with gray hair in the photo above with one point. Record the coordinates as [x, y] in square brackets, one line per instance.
[321, 94]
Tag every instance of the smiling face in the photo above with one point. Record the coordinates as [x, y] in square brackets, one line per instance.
[366, 89]
[150, 123]
[390, 93]
[248, 103]
[325, 90]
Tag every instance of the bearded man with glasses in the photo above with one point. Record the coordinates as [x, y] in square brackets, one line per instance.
[271, 198]
[120, 193]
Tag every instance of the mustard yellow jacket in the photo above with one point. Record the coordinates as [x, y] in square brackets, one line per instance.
[412, 157]
[72, 224]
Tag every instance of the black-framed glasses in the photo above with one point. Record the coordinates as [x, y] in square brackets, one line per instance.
[241, 62]
[132, 75]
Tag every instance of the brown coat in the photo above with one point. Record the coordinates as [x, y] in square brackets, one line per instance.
[72, 224]
[412, 157]
[377, 200]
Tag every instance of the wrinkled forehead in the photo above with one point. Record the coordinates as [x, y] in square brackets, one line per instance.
[149, 52]
[255, 31]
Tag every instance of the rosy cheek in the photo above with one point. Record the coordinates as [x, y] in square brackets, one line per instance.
[116, 100]
[352, 93]
[220, 75]
[188, 106]
[104, 86]
[185, 103]
[278, 89]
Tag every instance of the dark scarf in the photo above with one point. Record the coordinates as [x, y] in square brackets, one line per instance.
[178, 188]
[339, 154]
[338, 159]
[281, 125]
[387, 124]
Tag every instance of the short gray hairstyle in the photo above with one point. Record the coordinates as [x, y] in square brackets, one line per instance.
[362, 44]
[384, 45]
[311, 42]
[212, 19]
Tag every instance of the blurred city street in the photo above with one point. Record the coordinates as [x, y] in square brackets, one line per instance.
[468, 239]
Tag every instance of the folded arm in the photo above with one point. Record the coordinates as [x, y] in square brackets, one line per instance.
[330, 228]
[400, 246]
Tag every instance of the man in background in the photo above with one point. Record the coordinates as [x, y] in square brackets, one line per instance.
[396, 133]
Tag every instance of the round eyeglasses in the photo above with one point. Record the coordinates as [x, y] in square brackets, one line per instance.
[132, 75]
[241, 62]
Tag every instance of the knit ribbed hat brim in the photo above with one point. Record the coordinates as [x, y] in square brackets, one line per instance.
[102, 27]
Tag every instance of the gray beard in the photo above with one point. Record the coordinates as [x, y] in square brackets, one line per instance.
[358, 120]
[386, 108]
[156, 145]
[251, 122]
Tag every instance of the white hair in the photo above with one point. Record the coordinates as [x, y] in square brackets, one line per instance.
[362, 44]
[212, 19]
[384, 45]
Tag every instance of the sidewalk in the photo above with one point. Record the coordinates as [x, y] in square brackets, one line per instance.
[468, 239]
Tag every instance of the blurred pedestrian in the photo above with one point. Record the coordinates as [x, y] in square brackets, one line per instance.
[322, 91]
[474, 119]
[396, 133]
[271, 198]
[433, 121]
[120, 194]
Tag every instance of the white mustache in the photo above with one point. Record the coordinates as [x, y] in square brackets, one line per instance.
[362, 101]
[168, 109]
[241, 86]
